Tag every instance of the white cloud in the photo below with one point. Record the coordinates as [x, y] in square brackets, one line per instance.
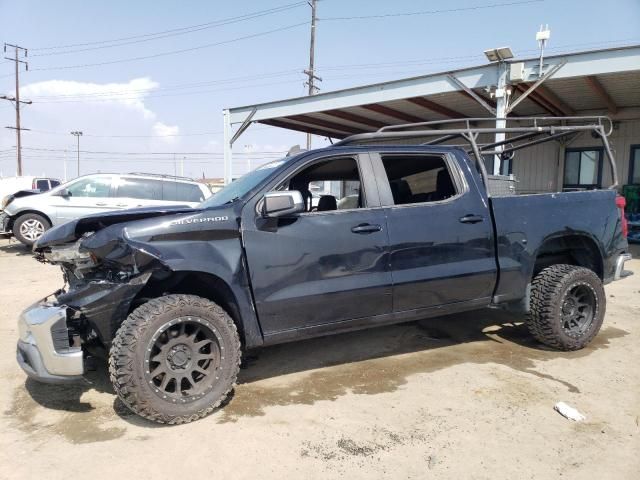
[166, 132]
[114, 117]
[61, 92]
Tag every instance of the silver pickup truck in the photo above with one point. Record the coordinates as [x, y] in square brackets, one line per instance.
[27, 215]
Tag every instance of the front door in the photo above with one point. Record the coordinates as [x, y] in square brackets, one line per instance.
[87, 195]
[440, 231]
[329, 264]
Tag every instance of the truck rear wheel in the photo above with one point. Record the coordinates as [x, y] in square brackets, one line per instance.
[175, 358]
[567, 307]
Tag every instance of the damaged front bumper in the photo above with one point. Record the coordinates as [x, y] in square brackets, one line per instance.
[44, 352]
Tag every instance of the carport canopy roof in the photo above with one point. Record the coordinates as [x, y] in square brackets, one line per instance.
[603, 81]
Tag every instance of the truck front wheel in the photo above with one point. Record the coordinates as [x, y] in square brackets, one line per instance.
[567, 307]
[175, 358]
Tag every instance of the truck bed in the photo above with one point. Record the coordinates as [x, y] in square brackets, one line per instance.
[526, 223]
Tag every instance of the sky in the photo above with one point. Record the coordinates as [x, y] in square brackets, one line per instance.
[146, 81]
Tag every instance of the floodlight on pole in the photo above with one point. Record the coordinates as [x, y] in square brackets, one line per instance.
[542, 36]
[499, 54]
[78, 134]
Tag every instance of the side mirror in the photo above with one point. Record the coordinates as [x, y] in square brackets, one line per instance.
[63, 192]
[280, 204]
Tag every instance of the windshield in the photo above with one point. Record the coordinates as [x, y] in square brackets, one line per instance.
[243, 185]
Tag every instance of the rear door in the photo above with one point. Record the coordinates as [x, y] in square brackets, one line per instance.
[440, 231]
[87, 195]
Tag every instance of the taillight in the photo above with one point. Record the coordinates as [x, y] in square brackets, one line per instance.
[621, 203]
[33, 185]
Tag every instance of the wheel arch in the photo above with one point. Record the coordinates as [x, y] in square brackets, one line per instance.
[209, 286]
[574, 248]
[26, 212]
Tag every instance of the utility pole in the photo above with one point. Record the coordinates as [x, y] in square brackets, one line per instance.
[16, 99]
[311, 71]
[78, 134]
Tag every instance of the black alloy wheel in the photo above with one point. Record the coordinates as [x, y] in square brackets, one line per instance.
[183, 360]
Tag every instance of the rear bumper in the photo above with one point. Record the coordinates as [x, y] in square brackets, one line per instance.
[620, 272]
[43, 350]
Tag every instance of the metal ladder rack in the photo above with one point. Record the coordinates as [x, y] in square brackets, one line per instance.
[545, 128]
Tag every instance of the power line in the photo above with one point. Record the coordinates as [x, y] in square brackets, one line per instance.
[432, 12]
[219, 132]
[139, 153]
[147, 97]
[175, 31]
[175, 52]
[203, 83]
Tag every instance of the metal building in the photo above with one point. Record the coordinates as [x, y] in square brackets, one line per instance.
[598, 82]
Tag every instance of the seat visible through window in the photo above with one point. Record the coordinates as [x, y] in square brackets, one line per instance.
[329, 185]
[418, 178]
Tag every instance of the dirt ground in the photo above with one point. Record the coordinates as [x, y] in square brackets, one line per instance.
[467, 396]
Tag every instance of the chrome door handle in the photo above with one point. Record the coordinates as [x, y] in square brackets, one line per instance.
[121, 205]
[101, 204]
[366, 228]
[471, 219]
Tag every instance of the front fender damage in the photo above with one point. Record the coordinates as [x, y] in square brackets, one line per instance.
[101, 295]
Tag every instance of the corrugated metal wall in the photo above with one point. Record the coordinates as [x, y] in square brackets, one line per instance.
[540, 168]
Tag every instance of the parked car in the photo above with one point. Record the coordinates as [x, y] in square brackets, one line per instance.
[28, 217]
[11, 185]
[175, 294]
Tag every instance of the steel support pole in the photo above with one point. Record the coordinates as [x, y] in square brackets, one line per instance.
[502, 100]
[228, 154]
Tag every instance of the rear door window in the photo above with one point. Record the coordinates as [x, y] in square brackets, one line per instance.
[418, 178]
[182, 192]
[140, 188]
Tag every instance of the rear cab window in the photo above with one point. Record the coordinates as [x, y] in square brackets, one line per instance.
[42, 184]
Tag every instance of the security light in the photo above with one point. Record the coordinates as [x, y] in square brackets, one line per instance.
[499, 54]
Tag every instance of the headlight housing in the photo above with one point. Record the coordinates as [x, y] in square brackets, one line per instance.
[6, 201]
[71, 254]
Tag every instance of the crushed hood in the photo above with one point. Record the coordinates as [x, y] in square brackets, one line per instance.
[71, 231]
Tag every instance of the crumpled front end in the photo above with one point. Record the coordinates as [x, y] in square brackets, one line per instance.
[103, 273]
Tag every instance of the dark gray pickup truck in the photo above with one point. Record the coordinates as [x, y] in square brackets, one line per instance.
[173, 296]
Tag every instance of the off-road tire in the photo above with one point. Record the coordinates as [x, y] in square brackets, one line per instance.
[22, 219]
[549, 289]
[135, 335]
